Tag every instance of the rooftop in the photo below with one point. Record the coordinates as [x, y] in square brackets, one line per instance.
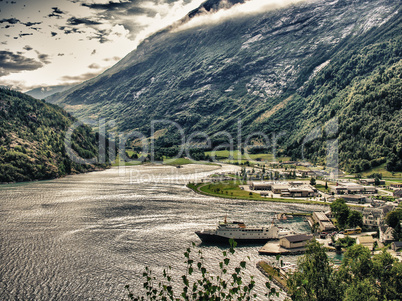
[298, 237]
[365, 239]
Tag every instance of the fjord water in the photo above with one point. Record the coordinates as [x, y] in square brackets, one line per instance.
[87, 236]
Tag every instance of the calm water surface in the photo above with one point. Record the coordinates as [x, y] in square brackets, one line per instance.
[85, 237]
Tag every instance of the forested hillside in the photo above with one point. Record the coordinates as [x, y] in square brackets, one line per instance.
[362, 86]
[32, 135]
[291, 69]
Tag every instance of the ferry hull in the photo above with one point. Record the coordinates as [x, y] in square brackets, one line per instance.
[214, 238]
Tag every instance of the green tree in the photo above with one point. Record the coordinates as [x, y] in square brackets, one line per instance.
[356, 264]
[394, 217]
[314, 279]
[341, 212]
[361, 290]
[355, 219]
[313, 182]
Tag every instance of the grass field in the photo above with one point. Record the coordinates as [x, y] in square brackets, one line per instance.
[178, 161]
[322, 188]
[235, 155]
[232, 190]
[119, 162]
[385, 173]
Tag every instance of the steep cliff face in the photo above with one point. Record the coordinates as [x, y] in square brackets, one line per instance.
[223, 64]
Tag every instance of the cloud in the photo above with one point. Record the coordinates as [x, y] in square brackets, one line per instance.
[93, 52]
[14, 21]
[44, 58]
[205, 17]
[10, 21]
[79, 78]
[56, 13]
[115, 58]
[69, 30]
[60, 54]
[25, 34]
[108, 6]
[11, 63]
[29, 24]
[27, 48]
[53, 33]
[77, 21]
[94, 66]
[101, 35]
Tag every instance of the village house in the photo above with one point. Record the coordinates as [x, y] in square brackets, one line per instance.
[372, 217]
[371, 182]
[261, 185]
[354, 198]
[323, 221]
[367, 241]
[386, 234]
[280, 188]
[396, 185]
[304, 191]
[295, 241]
[396, 246]
[352, 188]
[398, 193]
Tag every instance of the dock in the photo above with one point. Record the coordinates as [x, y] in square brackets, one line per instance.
[273, 248]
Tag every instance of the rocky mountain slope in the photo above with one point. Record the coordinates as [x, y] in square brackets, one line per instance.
[291, 68]
[32, 140]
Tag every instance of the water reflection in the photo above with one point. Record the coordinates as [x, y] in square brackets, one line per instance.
[87, 236]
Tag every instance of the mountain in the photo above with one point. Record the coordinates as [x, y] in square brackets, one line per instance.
[32, 140]
[43, 92]
[290, 69]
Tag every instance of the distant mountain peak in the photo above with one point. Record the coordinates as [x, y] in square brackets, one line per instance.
[212, 6]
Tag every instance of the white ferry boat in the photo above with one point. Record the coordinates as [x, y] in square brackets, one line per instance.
[240, 233]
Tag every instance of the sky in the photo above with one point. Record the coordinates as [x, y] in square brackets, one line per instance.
[63, 42]
[59, 42]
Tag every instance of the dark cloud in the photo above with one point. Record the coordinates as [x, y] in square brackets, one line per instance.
[60, 54]
[25, 34]
[27, 48]
[10, 21]
[126, 8]
[72, 30]
[11, 63]
[44, 58]
[81, 77]
[77, 21]
[56, 12]
[108, 6]
[29, 24]
[54, 33]
[14, 21]
[101, 35]
[93, 52]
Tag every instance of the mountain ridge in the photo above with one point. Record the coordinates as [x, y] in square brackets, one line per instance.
[208, 77]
